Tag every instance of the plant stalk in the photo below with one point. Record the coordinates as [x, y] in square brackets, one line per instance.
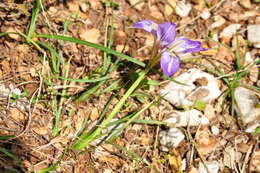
[85, 139]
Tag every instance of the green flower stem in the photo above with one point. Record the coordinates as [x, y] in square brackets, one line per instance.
[85, 139]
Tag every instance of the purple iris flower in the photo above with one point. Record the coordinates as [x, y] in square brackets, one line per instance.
[170, 45]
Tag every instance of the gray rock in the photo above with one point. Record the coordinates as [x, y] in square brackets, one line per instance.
[21, 102]
[205, 14]
[199, 86]
[183, 8]
[213, 167]
[187, 118]
[253, 35]
[230, 30]
[218, 21]
[246, 106]
[170, 138]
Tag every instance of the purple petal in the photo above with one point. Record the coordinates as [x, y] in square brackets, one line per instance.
[184, 45]
[146, 25]
[169, 64]
[166, 33]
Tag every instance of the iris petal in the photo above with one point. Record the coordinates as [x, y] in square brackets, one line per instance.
[147, 25]
[166, 37]
[166, 33]
[184, 45]
[169, 64]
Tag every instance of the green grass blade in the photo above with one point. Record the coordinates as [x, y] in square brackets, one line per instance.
[105, 69]
[57, 116]
[35, 14]
[59, 110]
[105, 49]
[113, 86]
[6, 33]
[101, 117]
[55, 58]
[133, 155]
[86, 43]
[150, 122]
[85, 80]
[46, 170]
[6, 137]
[84, 140]
[95, 87]
[120, 130]
[31, 41]
[107, 57]
[7, 153]
[87, 94]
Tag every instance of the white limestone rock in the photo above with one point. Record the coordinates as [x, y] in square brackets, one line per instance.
[205, 14]
[183, 8]
[218, 21]
[187, 118]
[201, 86]
[170, 138]
[246, 107]
[212, 166]
[253, 35]
[230, 30]
[7, 91]
[214, 130]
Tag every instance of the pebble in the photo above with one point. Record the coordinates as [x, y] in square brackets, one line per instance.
[213, 167]
[21, 102]
[170, 138]
[219, 21]
[199, 86]
[187, 118]
[205, 14]
[253, 35]
[183, 8]
[215, 130]
[246, 105]
[230, 30]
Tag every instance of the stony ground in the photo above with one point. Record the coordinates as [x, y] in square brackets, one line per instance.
[216, 129]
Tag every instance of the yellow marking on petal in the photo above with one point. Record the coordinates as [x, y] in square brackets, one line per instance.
[175, 45]
[154, 26]
[173, 54]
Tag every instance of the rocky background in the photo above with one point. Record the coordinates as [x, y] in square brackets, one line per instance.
[210, 125]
